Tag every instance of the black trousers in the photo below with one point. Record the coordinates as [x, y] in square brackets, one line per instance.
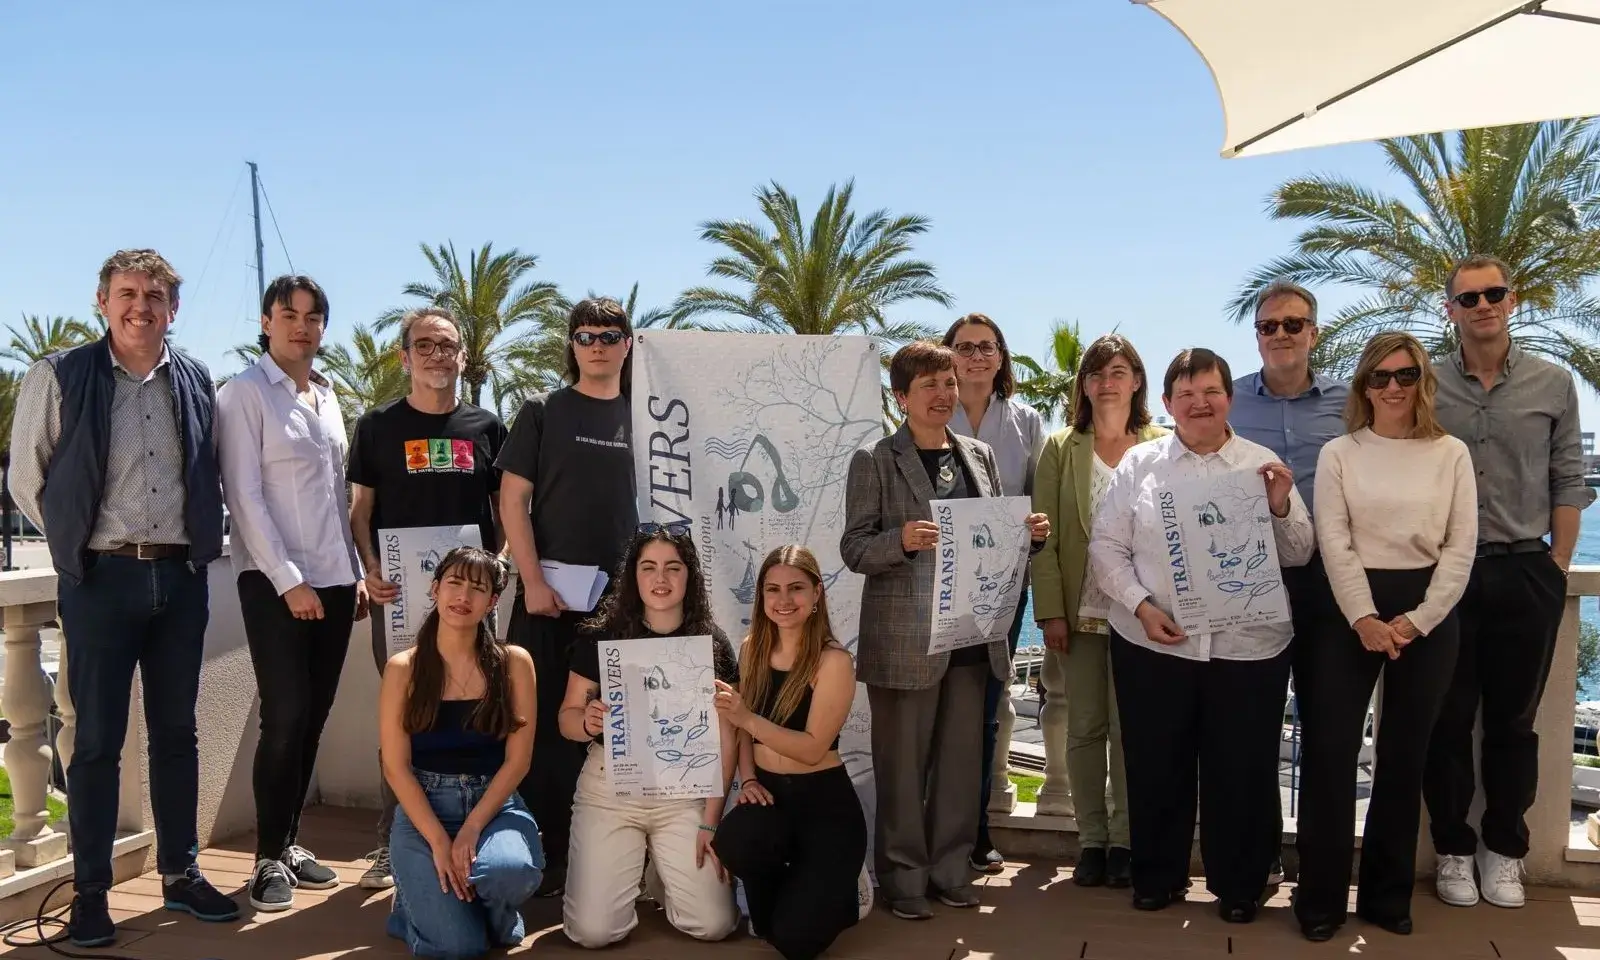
[552, 780]
[1218, 722]
[1335, 680]
[297, 666]
[1509, 616]
[799, 859]
[996, 690]
[1311, 608]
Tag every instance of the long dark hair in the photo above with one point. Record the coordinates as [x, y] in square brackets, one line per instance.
[755, 657]
[1005, 381]
[621, 614]
[494, 715]
[1099, 356]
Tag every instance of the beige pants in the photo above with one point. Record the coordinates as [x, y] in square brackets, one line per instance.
[606, 861]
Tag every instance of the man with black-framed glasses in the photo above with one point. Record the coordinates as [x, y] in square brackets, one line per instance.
[567, 494]
[1518, 415]
[424, 460]
[1293, 411]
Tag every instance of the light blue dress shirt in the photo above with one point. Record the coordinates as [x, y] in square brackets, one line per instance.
[1295, 428]
[1015, 432]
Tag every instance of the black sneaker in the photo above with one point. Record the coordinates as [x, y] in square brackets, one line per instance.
[193, 894]
[307, 872]
[1091, 869]
[272, 886]
[1119, 868]
[90, 925]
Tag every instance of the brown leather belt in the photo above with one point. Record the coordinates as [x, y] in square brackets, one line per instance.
[149, 551]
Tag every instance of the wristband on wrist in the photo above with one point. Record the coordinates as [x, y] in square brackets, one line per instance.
[708, 828]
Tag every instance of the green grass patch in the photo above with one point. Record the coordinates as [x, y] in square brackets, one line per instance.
[1027, 786]
[55, 808]
[1584, 760]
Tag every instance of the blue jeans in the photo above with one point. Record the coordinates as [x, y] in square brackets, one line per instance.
[126, 613]
[507, 870]
[992, 693]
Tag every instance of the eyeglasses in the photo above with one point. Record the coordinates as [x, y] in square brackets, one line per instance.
[610, 338]
[1469, 298]
[987, 348]
[676, 528]
[1405, 376]
[1291, 325]
[427, 348]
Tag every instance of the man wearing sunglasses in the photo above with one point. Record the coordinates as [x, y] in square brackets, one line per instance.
[1293, 411]
[424, 460]
[567, 494]
[1518, 415]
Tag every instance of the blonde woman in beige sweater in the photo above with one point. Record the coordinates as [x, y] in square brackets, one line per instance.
[1397, 522]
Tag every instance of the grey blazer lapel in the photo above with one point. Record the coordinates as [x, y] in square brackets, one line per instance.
[910, 464]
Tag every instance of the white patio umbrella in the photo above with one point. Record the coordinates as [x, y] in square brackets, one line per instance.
[1305, 73]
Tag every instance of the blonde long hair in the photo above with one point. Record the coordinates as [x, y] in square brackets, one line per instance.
[755, 657]
[1358, 409]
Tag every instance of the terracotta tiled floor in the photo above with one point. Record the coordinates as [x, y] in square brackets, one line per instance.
[1031, 912]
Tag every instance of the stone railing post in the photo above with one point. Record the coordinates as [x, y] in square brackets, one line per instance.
[26, 702]
[1002, 792]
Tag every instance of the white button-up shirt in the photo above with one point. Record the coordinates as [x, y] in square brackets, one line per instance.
[283, 479]
[1128, 551]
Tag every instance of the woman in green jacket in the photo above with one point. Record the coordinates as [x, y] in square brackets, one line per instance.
[1079, 719]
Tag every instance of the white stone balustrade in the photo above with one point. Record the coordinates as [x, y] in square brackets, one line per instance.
[29, 598]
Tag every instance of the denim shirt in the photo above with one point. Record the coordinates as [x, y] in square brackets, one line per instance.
[1295, 428]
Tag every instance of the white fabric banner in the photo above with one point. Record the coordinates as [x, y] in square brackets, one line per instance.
[1225, 572]
[410, 555]
[748, 437]
[980, 571]
[662, 737]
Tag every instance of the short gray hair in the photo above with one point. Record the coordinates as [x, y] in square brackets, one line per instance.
[423, 313]
[1285, 288]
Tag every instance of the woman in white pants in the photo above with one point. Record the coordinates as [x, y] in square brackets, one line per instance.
[660, 593]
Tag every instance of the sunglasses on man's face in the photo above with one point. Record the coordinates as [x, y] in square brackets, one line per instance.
[676, 528]
[1469, 298]
[1291, 325]
[610, 338]
[1405, 376]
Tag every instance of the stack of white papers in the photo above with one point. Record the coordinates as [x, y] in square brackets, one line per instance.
[578, 586]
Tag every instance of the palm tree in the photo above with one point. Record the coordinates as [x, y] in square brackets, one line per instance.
[39, 338]
[1048, 386]
[839, 276]
[366, 377]
[1528, 194]
[491, 301]
[10, 383]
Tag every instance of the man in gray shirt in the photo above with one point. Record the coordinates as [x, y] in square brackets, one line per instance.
[113, 456]
[1518, 415]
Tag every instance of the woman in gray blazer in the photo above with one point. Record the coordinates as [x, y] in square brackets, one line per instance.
[927, 709]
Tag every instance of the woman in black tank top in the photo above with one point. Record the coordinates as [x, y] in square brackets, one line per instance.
[796, 837]
[456, 734]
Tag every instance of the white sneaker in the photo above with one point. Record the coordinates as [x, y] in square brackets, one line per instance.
[1500, 878]
[380, 875]
[1452, 880]
[863, 894]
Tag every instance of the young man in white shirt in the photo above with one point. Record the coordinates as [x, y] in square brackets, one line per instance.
[283, 447]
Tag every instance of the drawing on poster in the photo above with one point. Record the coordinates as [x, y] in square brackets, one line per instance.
[662, 736]
[980, 568]
[1226, 519]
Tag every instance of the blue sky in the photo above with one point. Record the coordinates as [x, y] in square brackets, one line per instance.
[1067, 153]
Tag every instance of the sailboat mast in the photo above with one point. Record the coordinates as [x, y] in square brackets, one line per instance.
[255, 202]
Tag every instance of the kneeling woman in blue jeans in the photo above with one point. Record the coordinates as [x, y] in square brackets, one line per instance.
[456, 722]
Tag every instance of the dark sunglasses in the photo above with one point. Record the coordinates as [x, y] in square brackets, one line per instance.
[610, 338]
[1405, 376]
[1291, 326]
[676, 528]
[1469, 298]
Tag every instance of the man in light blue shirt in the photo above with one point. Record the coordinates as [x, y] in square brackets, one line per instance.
[1292, 411]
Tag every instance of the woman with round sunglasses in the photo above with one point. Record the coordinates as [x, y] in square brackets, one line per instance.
[1397, 523]
[660, 592]
[1015, 432]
